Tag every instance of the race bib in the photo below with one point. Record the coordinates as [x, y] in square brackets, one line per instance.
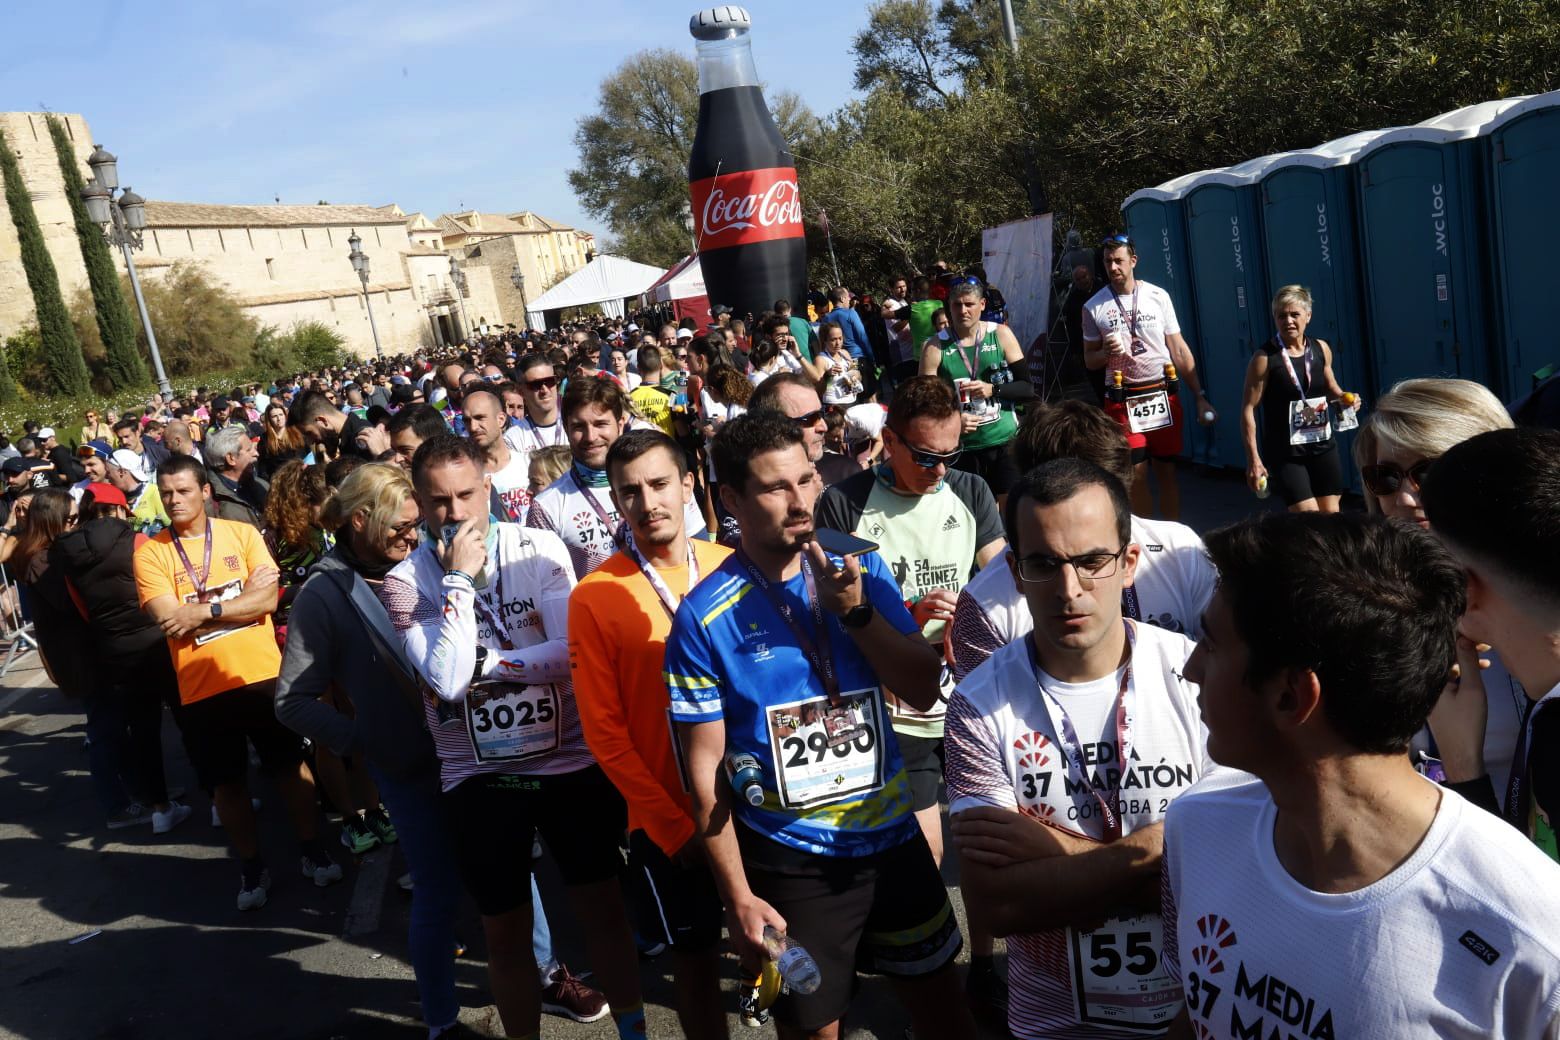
[1119, 977]
[824, 753]
[1308, 421]
[1149, 412]
[982, 408]
[509, 721]
[1349, 418]
[219, 594]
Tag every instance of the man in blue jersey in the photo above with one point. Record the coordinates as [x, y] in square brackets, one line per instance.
[778, 661]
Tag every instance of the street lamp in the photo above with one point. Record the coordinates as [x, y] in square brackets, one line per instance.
[123, 221]
[458, 277]
[517, 276]
[360, 265]
[688, 225]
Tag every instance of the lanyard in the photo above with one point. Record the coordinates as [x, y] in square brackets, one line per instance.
[477, 601]
[1305, 358]
[1072, 747]
[1132, 318]
[537, 430]
[1519, 797]
[1130, 605]
[972, 364]
[601, 514]
[205, 572]
[822, 662]
[669, 600]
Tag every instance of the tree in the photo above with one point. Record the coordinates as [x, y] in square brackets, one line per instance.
[201, 326]
[122, 366]
[633, 152]
[66, 371]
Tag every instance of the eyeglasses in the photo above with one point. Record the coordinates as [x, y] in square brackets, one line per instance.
[399, 531]
[929, 459]
[538, 385]
[1039, 569]
[681, 355]
[801, 422]
[1387, 477]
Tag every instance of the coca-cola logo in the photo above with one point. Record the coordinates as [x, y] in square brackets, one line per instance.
[746, 207]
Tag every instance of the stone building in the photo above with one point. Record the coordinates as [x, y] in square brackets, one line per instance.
[288, 263]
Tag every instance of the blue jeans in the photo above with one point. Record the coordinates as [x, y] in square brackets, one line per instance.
[415, 809]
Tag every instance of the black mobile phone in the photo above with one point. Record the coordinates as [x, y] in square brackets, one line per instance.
[448, 533]
[839, 543]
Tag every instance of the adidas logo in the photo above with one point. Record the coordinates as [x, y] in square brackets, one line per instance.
[951, 524]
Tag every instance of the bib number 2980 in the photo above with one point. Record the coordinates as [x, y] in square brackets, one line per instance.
[826, 752]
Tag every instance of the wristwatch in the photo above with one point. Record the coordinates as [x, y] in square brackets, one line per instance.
[216, 610]
[859, 616]
[476, 671]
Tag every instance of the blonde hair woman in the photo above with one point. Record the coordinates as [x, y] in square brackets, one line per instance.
[1291, 378]
[1473, 728]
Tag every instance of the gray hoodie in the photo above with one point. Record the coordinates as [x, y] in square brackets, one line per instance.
[328, 642]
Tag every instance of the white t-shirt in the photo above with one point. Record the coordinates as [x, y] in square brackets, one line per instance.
[1507, 703]
[513, 485]
[1458, 941]
[1175, 580]
[563, 508]
[843, 383]
[1155, 323]
[525, 436]
[1004, 748]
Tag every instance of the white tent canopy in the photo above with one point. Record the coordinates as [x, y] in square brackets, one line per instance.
[685, 279]
[606, 280]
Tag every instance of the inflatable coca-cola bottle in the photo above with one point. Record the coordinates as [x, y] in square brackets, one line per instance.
[747, 210]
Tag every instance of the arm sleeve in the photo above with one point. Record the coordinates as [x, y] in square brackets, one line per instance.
[974, 762]
[308, 662]
[440, 639]
[548, 661]
[1020, 388]
[691, 678]
[599, 693]
[972, 637]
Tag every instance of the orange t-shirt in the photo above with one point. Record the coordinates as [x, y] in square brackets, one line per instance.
[617, 646]
[215, 658]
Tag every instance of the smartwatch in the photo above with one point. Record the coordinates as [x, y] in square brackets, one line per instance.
[216, 610]
[859, 616]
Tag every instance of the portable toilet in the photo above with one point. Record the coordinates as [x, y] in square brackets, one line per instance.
[1524, 209]
[1230, 297]
[1155, 223]
[1309, 239]
[1420, 215]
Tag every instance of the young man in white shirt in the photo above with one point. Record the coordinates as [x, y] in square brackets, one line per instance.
[1064, 752]
[1335, 891]
[1174, 580]
[541, 427]
[509, 470]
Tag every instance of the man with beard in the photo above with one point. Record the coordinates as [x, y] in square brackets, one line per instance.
[323, 425]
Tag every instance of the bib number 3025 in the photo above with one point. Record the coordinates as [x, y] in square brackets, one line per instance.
[1118, 975]
[1149, 412]
[508, 721]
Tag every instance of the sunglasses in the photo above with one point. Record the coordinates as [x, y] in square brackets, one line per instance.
[1116, 240]
[1387, 477]
[929, 459]
[398, 531]
[801, 422]
[542, 384]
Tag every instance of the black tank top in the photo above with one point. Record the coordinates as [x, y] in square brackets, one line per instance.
[1310, 370]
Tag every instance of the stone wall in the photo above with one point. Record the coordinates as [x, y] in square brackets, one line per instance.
[27, 134]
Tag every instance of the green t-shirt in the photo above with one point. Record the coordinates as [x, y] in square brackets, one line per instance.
[921, 312]
[806, 338]
[990, 367]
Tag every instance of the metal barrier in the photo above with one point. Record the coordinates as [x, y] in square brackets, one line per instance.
[19, 629]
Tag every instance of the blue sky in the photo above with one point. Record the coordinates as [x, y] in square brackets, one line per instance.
[435, 106]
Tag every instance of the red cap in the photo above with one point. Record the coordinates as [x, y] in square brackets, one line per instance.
[106, 494]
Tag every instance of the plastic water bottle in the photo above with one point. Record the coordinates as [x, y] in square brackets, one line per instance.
[1262, 487]
[747, 777]
[794, 963]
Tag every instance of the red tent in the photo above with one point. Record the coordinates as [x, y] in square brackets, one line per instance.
[683, 287]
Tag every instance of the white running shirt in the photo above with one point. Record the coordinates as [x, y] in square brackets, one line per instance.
[1459, 941]
[1003, 749]
[513, 484]
[525, 436]
[1156, 323]
[562, 508]
[1175, 580]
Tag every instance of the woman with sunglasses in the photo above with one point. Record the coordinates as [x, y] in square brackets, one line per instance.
[1291, 378]
[1412, 426]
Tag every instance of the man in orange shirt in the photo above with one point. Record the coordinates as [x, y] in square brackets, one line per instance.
[211, 585]
[619, 617]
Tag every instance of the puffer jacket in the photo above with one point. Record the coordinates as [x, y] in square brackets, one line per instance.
[98, 558]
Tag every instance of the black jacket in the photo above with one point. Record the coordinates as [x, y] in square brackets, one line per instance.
[99, 560]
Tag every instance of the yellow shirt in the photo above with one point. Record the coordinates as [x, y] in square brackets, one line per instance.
[215, 658]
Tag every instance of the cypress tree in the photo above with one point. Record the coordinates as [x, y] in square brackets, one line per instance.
[122, 364]
[8, 394]
[65, 367]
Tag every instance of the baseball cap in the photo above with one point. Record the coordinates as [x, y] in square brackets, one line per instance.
[45, 433]
[864, 422]
[124, 458]
[98, 448]
[684, 333]
[219, 403]
[12, 466]
[106, 494]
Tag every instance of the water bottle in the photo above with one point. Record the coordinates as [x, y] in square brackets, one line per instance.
[794, 963]
[747, 777]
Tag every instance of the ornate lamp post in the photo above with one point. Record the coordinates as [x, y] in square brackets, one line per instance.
[517, 277]
[360, 265]
[689, 226]
[458, 278]
[124, 221]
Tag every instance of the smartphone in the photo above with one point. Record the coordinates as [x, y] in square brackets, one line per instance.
[839, 543]
[447, 534]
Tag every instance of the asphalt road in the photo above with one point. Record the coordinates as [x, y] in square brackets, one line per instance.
[127, 935]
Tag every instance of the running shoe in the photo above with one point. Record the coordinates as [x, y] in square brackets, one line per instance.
[323, 870]
[379, 822]
[356, 835]
[251, 892]
[163, 822]
[129, 816]
[568, 997]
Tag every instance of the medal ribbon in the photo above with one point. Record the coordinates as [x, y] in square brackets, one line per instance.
[601, 514]
[198, 581]
[669, 600]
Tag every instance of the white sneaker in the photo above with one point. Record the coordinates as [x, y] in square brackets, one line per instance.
[254, 898]
[322, 873]
[163, 822]
[216, 820]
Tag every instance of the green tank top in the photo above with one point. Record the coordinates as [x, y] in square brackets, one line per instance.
[989, 361]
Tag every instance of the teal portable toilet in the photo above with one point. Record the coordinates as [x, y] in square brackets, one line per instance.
[1154, 222]
[1229, 290]
[1421, 225]
[1309, 239]
[1524, 208]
